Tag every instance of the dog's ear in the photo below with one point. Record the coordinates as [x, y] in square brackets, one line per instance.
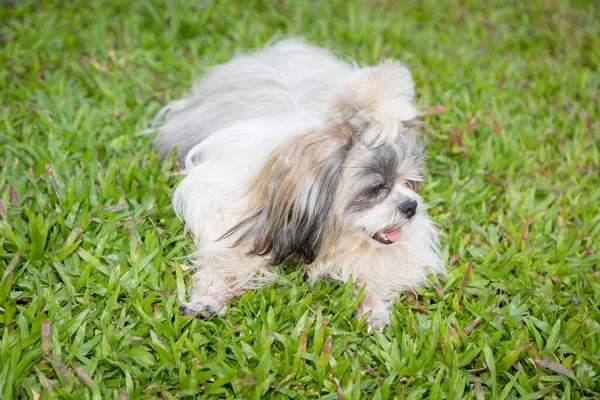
[293, 198]
[377, 104]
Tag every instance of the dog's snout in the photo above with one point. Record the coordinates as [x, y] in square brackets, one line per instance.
[408, 208]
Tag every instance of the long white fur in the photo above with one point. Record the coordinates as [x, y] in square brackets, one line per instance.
[285, 78]
[226, 130]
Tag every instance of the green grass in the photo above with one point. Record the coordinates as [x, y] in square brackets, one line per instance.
[92, 257]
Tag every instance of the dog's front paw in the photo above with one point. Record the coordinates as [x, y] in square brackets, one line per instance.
[202, 307]
[378, 319]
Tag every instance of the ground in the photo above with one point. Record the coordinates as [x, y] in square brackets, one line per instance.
[92, 257]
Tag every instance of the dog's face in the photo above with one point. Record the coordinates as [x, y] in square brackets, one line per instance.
[356, 174]
[379, 188]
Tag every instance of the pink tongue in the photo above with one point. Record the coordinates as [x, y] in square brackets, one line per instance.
[393, 235]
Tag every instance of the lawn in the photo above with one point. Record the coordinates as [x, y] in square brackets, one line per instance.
[93, 260]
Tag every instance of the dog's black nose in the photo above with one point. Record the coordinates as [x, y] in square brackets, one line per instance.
[408, 208]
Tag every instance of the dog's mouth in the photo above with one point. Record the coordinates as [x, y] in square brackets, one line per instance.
[389, 235]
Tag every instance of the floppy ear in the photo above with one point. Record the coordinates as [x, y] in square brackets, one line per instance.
[294, 199]
[377, 104]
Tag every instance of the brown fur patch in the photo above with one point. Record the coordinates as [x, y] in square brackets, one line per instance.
[293, 197]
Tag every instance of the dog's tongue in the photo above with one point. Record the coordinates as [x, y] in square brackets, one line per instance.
[393, 235]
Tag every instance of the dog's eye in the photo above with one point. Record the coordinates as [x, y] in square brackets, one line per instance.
[376, 190]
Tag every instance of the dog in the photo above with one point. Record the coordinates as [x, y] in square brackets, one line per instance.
[294, 157]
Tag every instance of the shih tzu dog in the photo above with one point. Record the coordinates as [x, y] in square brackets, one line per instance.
[293, 156]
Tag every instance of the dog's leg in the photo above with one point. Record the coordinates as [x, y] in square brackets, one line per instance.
[220, 278]
[374, 304]
[208, 295]
[375, 309]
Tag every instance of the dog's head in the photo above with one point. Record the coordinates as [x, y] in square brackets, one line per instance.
[358, 173]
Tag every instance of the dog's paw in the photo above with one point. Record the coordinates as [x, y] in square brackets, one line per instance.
[378, 319]
[202, 307]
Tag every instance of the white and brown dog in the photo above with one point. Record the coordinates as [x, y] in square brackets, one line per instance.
[293, 156]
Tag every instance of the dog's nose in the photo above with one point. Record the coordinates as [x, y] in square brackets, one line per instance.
[408, 208]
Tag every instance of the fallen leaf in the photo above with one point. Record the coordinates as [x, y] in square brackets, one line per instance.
[454, 258]
[556, 367]
[465, 279]
[469, 328]
[46, 336]
[83, 375]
